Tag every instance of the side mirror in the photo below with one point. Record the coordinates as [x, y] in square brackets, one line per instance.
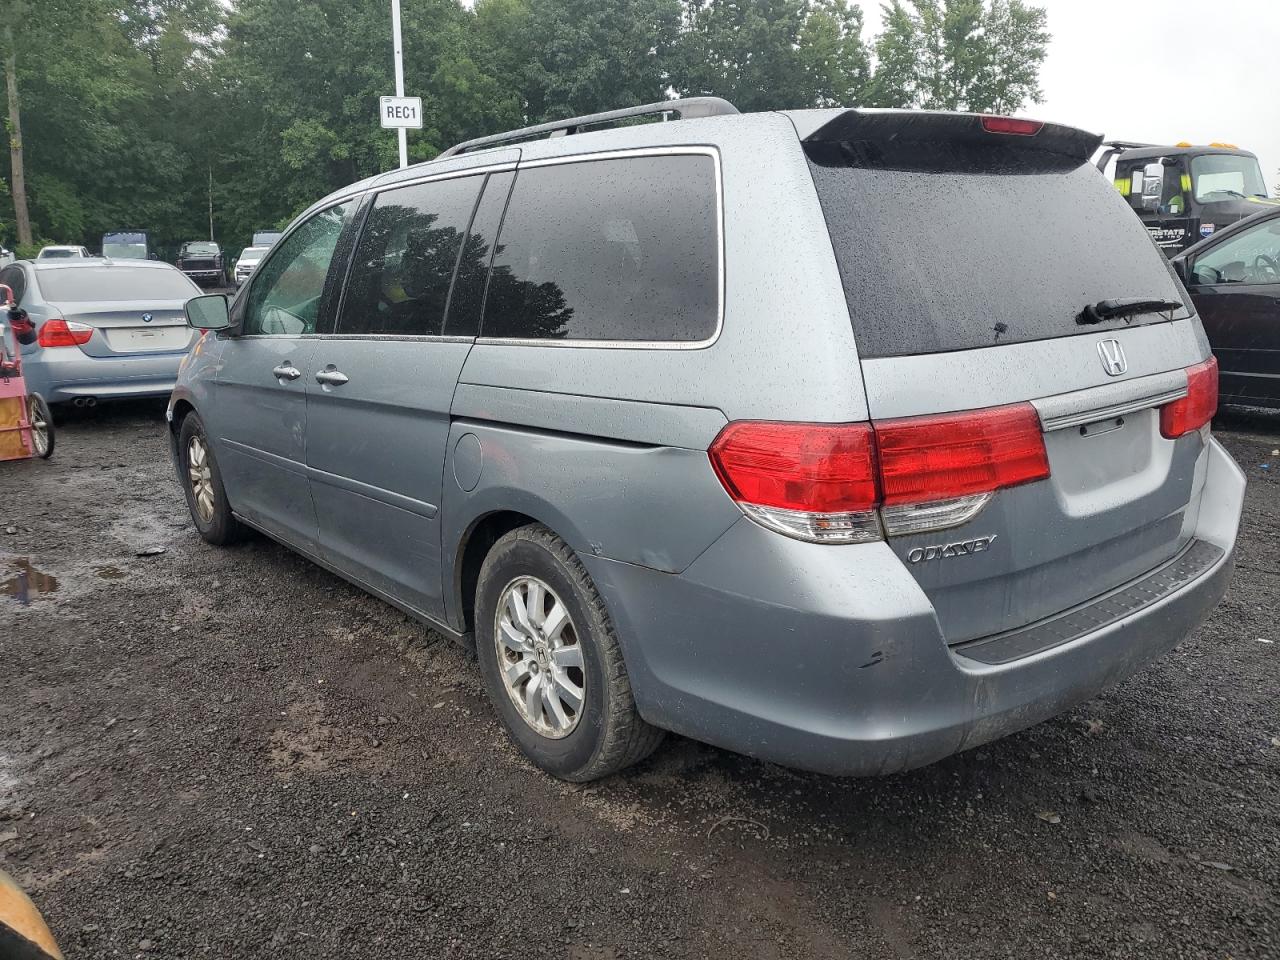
[1183, 270]
[153, 256]
[209, 312]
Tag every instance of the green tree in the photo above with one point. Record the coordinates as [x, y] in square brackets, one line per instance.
[300, 88]
[773, 54]
[960, 55]
[570, 57]
[833, 57]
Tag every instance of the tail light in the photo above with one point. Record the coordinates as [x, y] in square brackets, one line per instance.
[939, 471]
[1012, 125]
[846, 483]
[1199, 405]
[811, 481]
[60, 333]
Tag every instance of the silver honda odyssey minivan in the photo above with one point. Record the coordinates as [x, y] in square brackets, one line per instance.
[846, 439]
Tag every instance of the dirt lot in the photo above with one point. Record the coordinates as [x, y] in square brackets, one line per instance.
[230, 753]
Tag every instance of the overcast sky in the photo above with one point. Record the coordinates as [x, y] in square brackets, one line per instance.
[1162, 71]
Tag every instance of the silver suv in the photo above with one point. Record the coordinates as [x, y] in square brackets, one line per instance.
[845, 439]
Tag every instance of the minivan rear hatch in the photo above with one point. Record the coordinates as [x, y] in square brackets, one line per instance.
[982, 263]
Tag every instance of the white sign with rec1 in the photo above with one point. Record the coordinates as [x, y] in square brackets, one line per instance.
[401, 112]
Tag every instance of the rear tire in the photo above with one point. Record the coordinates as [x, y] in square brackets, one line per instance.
[572, 645]
[202, 484]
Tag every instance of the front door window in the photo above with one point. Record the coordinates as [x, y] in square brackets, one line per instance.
[288, 288]
[1250, 256]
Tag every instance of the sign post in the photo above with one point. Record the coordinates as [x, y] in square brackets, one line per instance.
[399, 56]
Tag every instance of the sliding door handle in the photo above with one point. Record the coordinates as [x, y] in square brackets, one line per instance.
[330, 377]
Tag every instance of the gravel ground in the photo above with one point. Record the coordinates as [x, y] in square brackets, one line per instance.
[231, 753]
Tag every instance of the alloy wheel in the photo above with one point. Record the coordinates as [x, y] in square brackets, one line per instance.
[200, 476]
[540, 657]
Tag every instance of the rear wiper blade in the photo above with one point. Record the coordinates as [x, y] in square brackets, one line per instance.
[1124, 307]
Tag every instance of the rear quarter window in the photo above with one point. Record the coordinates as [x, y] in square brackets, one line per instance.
[952, 247]
[623, 249]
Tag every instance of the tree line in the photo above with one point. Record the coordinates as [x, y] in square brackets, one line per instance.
[163, 115]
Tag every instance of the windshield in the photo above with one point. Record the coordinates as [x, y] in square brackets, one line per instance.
[197, 248]
[51, 252]
[106, 284]
[944, 247]
[1220, 176]
[253, 253]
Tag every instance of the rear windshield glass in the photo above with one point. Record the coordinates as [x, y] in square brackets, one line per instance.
[203, 247]
[952, 247]
[68, 284]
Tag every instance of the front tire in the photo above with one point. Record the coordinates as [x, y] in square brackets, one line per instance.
[202, 484]
[552, 663]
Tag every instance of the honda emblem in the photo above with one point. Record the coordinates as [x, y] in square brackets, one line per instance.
[1112, 356]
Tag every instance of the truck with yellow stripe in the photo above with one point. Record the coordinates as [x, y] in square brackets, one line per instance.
[1184, 192]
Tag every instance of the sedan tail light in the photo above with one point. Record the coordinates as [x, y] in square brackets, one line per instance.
[61, 333]
[851, 483]
[1199, 405]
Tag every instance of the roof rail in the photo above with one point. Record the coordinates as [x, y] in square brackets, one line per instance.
[685, 109]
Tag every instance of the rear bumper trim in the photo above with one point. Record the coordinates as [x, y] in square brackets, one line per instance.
[1192, 562]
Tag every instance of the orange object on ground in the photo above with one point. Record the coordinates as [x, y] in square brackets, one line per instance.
[23, 932]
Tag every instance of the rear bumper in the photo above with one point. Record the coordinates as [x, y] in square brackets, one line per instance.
[65, 373]
[830, 658]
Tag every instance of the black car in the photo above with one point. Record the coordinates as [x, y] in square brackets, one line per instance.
[203, 262]
[1234, 279]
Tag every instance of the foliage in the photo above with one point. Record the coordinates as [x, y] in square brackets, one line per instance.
[28, 251]
[960, 55]
[136, 114]
[772, 54]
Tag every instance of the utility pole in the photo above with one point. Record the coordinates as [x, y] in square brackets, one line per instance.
[401, 135]
[211, 201]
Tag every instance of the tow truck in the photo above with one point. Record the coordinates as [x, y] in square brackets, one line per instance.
[1184, 192]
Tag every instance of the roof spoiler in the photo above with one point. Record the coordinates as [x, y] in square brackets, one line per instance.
[905, 126]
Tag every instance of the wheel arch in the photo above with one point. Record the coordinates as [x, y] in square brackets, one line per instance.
[476, 542]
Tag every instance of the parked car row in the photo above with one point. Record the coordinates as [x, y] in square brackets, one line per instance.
[204, 261]
[698, 426]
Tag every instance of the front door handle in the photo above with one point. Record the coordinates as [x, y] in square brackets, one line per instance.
[286, 371]
[330, 377]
